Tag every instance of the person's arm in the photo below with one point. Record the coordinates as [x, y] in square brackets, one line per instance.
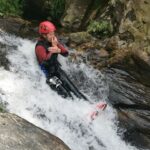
[41, 54]
[64, 51]
[59, 47]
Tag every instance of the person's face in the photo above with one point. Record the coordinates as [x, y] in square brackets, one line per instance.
[49, 36]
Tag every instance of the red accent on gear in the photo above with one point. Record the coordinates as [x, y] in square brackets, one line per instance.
[46, 27]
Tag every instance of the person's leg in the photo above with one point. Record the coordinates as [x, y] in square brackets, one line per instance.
[69, 84]
[57, 85]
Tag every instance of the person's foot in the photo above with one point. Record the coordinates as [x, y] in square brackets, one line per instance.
[99, 107]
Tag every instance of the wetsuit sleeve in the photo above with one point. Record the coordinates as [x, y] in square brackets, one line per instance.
[64, 50]
[41, 54]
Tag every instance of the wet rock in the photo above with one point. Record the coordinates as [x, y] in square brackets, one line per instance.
[97, 58]
[136, 127]
[16, 133]
[19, 27]
[131, 99]
[11, 24]
[141, 67]
[4, 62]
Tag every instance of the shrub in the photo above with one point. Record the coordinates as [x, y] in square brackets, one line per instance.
[100, 28]
[11, 7]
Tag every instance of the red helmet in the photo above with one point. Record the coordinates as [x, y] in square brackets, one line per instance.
[46, 27]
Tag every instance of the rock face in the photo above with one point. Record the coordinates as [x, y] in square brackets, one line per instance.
[135, 26]
[131, 49]
[19, 27]
[79, 13]
[18, 134]
[74, 13]
[129, 45]
[133, 105]
[137, 21]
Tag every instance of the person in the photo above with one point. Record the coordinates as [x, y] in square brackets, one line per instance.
[47, 50]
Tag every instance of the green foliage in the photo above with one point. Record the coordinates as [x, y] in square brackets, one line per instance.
[2, 107]
[100, 28]
[57, 9]
[11, 7]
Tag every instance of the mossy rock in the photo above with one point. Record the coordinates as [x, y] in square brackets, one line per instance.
[80, 37]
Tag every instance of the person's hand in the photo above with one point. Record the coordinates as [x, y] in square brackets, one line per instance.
[54, 49]
[54, 41]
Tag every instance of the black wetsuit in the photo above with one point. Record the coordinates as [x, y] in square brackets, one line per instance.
[57, 79]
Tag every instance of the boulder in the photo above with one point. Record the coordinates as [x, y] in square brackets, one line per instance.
[18, 134]
[78, 38]
[18, 26]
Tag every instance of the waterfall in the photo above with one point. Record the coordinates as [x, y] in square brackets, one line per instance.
[24, 91]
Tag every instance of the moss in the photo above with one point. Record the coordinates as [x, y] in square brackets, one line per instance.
[100, 29]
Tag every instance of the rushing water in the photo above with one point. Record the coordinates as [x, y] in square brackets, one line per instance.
[26, 94]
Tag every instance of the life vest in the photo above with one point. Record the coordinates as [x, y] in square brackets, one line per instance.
[49, 66]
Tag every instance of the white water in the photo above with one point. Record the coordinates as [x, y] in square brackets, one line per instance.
[24, 90]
